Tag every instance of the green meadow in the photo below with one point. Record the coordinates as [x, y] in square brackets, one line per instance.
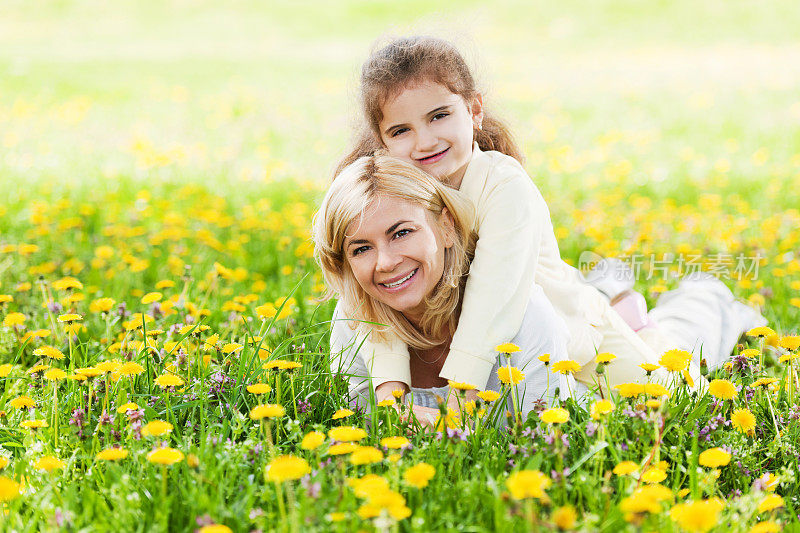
[163, 350]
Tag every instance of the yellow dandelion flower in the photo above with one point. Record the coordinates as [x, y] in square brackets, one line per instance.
[168, 380]
[600, 408]
[750, 353]
[564, 517]
[388, 402]
[5, 370]
[312, 440]
[112, 454]
[461, 386]
[649, 367]
[604, 358]
[625, 467]
[13, 319]
[743, 420]
[33, 424]
[89, 371]
[215, 528]
[231, 347]
[762, 331]
[156, 428]
[654, 475]
[790, 342]
[258, 388]
[653, 404]
[364, 455]
[507, 348]
[55, 374]
[48, 351]
[9, 489]
[287, 468]
[151, 297]
[69, 317]
[419, 475]
[767, 526]
[124, 408]
[556, 415]
[267, 410]
[48, 463]
[714, 457]
[699, 516]
[22, 402]
[722, 389]
[342, 413]
[544, 358]
[67, 282]
[527, 484]
[395, 443]
[511, 375]
[567, 366]
[342, 448]
[488, 395]
[771, 502]
[347, 434]
[165, 456]
[629, 390]
[655, 389]
[101, 305]
[131, 368]
[675, 360]
[37, 368]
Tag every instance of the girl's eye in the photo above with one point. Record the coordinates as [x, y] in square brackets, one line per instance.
[359, 250]
[402, 233]
[438, 116]
[398, 131]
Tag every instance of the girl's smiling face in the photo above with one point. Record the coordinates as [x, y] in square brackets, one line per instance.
[396, 253]
[431, 128]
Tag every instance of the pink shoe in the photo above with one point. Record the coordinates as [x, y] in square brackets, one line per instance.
[632, 307]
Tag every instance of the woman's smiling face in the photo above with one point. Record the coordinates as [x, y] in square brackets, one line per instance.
[396, 253]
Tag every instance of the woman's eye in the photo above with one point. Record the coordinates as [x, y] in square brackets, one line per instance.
[360, 250]
[438, 116]
[402, 233]
[398, 131]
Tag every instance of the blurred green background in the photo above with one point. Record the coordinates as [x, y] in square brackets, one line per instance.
[244, 90]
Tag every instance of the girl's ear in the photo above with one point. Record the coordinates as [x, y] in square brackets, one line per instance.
[476, 110]
[448, 227]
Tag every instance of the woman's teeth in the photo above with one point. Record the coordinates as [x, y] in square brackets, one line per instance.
[399, 281]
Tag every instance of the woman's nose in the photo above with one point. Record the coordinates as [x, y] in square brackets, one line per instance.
[387, 260]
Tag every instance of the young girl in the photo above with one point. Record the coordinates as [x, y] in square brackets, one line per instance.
[421, 105]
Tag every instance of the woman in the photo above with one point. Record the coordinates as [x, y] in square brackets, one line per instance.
[394, 244]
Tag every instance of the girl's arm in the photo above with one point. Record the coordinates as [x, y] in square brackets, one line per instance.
[512, 218]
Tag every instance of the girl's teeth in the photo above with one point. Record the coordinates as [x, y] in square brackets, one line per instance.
[398, 282]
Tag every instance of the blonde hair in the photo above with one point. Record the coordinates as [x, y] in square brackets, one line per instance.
[407, 61]
[346, 201]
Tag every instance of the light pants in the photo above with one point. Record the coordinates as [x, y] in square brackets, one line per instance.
[542, 332]
[701, 316]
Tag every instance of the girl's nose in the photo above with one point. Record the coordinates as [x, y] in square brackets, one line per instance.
[426, 140]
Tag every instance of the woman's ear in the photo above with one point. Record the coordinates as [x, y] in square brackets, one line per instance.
[448, 228]
[476, 110]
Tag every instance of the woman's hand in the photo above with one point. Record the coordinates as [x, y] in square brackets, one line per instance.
[385, 390]
[453, 400]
